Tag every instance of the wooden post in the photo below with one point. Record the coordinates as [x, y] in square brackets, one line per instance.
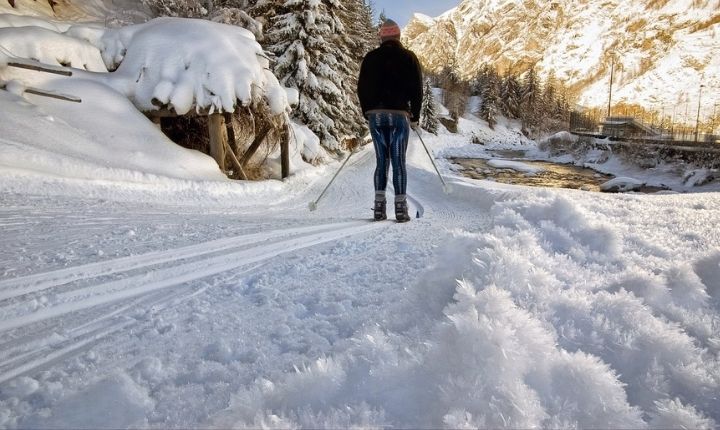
[285, 154]
[218, 138]
[232, 140]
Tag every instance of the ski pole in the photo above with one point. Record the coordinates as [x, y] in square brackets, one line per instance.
[313, 205]
[446, 188]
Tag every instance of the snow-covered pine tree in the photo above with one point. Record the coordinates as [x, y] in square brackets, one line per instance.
[303, 35]
[489, 97]
[264, 11]
[357, 40]
[428, 111]
[562, 105]
[177, 8]
[233, 12]
[546, 104]
[531, 92]
[455, 92]
[382, 18]
[510, 97]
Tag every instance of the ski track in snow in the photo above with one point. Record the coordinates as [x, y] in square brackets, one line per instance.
[186, 264]
[246, 317]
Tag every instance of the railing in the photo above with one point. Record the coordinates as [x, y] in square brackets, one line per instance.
[712, 142]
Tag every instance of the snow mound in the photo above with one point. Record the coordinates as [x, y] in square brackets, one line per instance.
[621, 185]
[698, 177]
[216, 66]
[515, 165]
[91, 140]
[118, 402]
[50, 47]
[559, 138]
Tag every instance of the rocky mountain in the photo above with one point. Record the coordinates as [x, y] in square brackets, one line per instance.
[663, 50]
[106, 11]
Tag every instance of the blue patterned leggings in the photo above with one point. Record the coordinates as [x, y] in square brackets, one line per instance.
[390, 133]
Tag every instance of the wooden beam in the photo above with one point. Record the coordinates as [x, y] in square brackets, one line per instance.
[58, 96]
[235, 162]
[218, 139]
[44, 93]
[259, 138]
[39, 68]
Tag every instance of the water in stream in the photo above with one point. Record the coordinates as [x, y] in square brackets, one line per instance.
[552, 174]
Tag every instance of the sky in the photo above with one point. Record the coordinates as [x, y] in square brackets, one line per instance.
[401, 10]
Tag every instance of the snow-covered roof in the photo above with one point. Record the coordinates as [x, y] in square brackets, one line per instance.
[167, 63]
[186, 63]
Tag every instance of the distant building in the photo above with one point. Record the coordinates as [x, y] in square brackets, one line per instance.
[626, 126]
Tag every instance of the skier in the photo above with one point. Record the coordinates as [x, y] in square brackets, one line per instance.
[390, 90]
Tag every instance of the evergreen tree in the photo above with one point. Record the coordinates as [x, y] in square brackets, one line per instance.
[489, 97]
[382, 18]
[510, 97]
[428, 110]
[303, 35]
[357, 40]
[562, 105]
[455, 94]
[531, 93]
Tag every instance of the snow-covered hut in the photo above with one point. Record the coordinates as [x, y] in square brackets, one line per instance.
[167, 67]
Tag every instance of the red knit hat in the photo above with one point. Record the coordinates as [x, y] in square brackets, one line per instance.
[389, 30]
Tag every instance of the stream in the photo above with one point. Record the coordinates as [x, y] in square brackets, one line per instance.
[549, 174]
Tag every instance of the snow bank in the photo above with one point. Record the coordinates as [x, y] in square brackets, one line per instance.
[621, 185]
[50, 47]
[102, 138]
[117, 402]
[515, 165]
[564, 318]
[307, 144]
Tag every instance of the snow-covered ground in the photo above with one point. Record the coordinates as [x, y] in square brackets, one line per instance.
[158, 301]
[140, 288]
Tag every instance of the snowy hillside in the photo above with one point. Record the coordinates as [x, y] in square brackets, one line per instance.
[140, 288]
[664, 50]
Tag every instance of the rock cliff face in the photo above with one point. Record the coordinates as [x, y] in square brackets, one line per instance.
[125, 11]
[663, 49]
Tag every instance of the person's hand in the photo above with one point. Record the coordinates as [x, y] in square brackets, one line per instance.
[414, 125]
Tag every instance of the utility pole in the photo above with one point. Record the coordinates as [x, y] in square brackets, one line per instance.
[612, 71]
[685, 121]
[697, 119]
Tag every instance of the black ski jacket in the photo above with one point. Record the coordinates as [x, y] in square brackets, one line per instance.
[391, 79]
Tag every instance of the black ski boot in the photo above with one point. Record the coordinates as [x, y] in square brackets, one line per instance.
[401, 210]
[379, 210]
